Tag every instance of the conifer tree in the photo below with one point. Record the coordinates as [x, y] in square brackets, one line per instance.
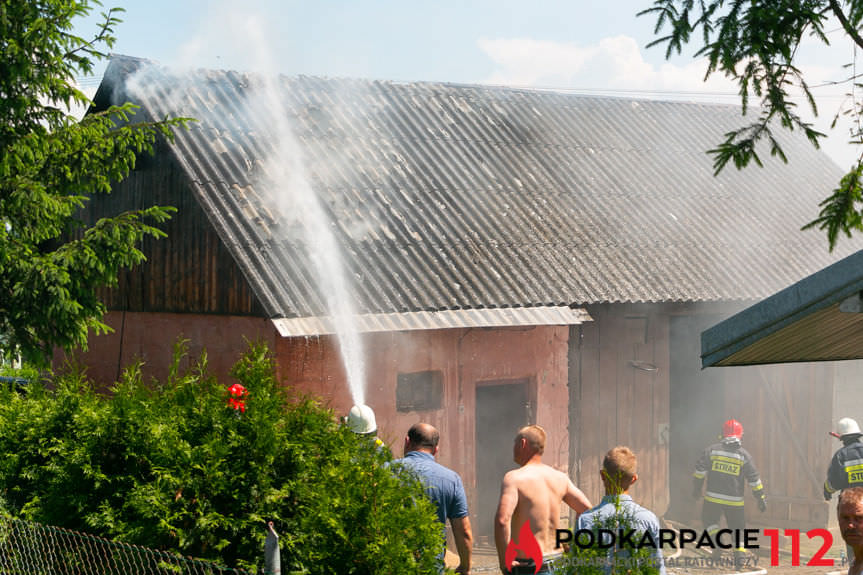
[51, 163]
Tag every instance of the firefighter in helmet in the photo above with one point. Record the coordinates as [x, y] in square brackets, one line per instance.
[846, 467]
[361, 420]
[727, 467]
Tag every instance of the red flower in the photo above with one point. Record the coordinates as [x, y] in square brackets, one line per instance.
[238, 396]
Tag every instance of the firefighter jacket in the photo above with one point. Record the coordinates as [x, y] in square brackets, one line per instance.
[846, 469]
[727, 467]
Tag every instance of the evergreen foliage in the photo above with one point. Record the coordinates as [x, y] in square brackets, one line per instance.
[172, 465]
[51, 262]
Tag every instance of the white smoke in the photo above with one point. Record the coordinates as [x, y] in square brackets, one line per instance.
[285, 179]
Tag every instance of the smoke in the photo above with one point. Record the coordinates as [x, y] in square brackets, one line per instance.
[281, 173]
[617, 65]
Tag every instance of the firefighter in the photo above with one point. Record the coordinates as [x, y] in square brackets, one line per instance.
[846, 468]
[727, 465]
[361, 420]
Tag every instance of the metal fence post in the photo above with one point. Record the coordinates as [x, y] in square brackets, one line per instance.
[272, 557]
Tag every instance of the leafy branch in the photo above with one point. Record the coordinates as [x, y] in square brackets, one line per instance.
[754, 43]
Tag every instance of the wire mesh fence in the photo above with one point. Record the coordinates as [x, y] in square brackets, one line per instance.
[33, 549]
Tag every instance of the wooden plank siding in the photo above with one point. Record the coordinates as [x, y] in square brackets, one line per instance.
[786, 411]
[623, 400]
[191, 271]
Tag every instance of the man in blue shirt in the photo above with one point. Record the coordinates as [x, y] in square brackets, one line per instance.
[617, 508]
[443, 486]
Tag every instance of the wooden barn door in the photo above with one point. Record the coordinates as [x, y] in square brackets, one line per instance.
[696, 411]
[502, 408]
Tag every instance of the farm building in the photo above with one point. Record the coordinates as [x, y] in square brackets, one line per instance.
[509, 256]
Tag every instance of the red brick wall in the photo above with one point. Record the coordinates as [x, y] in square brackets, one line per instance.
[150, 337]
[465, 357]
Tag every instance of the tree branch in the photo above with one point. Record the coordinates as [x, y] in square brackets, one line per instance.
[846, 25]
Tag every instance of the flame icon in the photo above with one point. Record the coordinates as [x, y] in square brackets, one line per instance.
[528, 544]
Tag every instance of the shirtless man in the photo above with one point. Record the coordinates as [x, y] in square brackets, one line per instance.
[533, 493]
[850, 514]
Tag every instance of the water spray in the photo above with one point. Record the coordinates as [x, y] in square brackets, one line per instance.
[298, 203]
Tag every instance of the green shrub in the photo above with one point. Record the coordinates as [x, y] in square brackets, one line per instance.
[173, 466]
[593, 554]
[25, 371]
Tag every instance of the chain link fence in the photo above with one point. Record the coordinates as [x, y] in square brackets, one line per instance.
[32, 549]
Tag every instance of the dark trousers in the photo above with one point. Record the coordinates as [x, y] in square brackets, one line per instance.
[711, 514]
[528, 566]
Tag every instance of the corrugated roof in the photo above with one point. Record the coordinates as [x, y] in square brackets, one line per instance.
[819, 318]
[450, 197]
[444, 319]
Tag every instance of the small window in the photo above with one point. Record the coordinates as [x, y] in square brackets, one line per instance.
[419, 391]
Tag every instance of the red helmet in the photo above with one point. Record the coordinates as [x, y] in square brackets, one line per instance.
[732, 428]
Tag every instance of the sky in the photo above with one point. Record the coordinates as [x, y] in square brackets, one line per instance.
[581, 46]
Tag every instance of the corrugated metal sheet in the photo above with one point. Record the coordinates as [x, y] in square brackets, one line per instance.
[449, 197]
[444, 319]
[816, 319]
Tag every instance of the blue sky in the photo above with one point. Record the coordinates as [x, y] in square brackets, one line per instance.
[584, 46]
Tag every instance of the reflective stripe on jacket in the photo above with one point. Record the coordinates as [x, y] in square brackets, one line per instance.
[728, 467]
[846, 468]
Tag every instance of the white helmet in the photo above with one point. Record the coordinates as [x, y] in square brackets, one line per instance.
[847, 426]
[361, 419]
